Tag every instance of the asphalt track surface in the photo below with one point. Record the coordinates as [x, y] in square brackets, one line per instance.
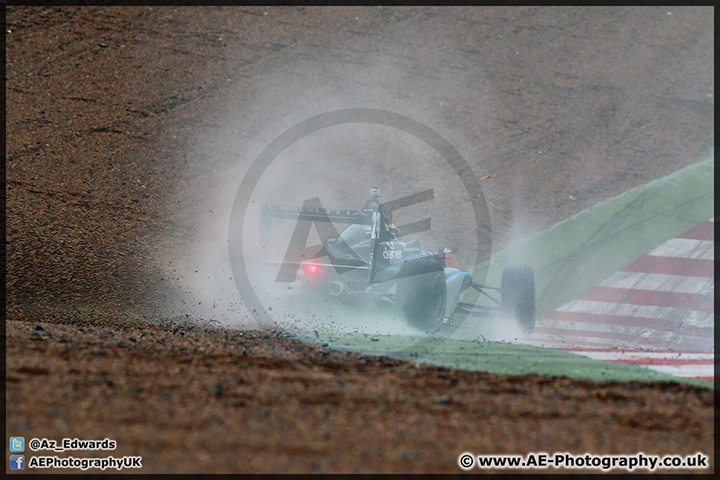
[129, 129]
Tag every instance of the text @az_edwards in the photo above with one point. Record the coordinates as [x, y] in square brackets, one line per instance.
[66, 444]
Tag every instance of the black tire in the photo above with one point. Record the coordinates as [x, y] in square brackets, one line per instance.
[422, 292]
[517, 292]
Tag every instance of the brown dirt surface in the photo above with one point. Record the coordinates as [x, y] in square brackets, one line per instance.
[118, 122]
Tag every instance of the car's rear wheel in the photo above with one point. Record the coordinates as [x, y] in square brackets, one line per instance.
[421, 292]
[517, 292]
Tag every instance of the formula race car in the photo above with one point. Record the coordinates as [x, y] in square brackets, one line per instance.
[371, 260]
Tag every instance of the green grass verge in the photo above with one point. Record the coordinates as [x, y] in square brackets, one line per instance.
[499, 357]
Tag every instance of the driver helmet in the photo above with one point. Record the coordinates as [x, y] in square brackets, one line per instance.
[394, 231]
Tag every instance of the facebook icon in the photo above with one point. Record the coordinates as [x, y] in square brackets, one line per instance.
[17, 462]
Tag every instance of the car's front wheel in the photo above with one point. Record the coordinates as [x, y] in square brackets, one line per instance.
[517, 291]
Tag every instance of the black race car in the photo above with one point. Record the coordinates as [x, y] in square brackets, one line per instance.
[370, 259]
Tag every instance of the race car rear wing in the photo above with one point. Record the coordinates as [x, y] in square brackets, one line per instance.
[312, 211]
[310, 214]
